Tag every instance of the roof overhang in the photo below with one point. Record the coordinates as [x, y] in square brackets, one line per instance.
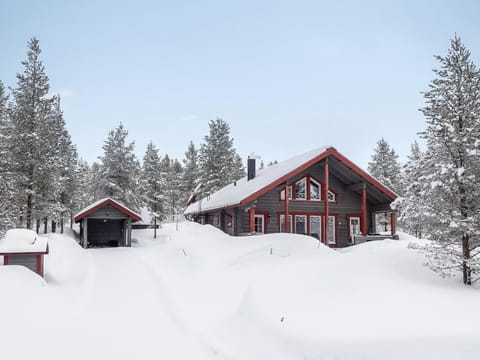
[102, 203]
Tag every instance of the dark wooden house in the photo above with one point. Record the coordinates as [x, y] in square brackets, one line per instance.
[24, 247]
[106, 223]
[320, 193]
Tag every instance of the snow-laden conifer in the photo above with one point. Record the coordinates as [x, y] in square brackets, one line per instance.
[220, 164]
[29, 115]
[190, 171]
[385, 167]
[152, 182]
[120, 169]
[450, 184]
[7, 194]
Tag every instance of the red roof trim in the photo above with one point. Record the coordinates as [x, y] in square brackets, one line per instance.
[330, 151]
[367, 177]
[108, 202]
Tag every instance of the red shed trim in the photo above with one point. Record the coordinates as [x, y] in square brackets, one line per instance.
[100, 204]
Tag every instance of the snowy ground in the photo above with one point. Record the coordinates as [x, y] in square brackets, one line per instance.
[197, 293]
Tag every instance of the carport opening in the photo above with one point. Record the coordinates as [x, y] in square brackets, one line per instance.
[105, 232]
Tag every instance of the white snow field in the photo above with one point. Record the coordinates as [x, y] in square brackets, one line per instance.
[197, 293]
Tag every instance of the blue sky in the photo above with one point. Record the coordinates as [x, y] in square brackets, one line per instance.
[288, 76]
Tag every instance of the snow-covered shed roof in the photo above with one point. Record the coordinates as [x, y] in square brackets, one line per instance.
[23, 241]
[244, 191]
[103, 202]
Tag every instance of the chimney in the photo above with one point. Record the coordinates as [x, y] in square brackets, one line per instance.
[251, 167]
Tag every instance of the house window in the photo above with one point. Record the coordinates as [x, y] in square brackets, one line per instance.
[259, 224]
[282, 223]
[282, 193]
[331, 230]
[300, 224]
[301, 190]
[216, 220]
[315, 192]
[331, 196]
[316, 226]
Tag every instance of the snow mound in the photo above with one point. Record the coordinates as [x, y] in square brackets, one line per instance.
[22, 240]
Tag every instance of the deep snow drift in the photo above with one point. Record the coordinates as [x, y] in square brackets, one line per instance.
[197, 293]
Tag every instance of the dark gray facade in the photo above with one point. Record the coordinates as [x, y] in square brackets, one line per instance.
[345, 210]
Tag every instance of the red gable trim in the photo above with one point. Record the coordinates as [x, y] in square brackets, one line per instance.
[108, 202]
[366, 176]
[330, 151]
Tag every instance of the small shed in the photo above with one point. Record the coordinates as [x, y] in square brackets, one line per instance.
[106, 222]
[24, 247]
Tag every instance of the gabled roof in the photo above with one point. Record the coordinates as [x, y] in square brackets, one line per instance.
[245, 191]
[104, 202]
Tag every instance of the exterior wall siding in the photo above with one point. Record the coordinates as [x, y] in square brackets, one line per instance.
[347, 202]
[29, 261]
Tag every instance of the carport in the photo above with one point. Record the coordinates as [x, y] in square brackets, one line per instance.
[106, 223]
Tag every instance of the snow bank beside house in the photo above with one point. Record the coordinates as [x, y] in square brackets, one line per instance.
[197, 293]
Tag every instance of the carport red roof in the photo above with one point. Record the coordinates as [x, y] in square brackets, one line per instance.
[104, 202]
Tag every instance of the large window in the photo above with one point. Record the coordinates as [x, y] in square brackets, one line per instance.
[282, 223]
[300, 224]
[301, 189]
[316, 226]
[315, 190]
[331, 196]
[307, 188]
[331, 230]
[282, 193]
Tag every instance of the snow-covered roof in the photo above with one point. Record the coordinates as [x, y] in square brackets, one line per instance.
[244, 191]
[234, 193]
[23, 241]
[102, 202]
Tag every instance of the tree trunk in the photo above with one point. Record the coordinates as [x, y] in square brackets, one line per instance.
[467, 271]
[38, 226]
[29, 211]
[61, 225]
[54, 226]
[45, 225]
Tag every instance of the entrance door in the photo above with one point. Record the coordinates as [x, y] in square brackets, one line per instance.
[259, 224]
[354, 225]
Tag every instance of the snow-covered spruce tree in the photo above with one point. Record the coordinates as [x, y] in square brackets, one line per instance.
[97, 184]
[220, 164]
[65, 159]
[412, 212]
[84, 193]
[385, 166]
[152, 181]
[121, 169]
[190, 171]
[172, 172]
[451, 183]
[7, 198]
[29, 114]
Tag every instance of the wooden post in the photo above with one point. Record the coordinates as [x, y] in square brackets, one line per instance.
[393, 222]
[252, 220]
[287, 214]
[325, 197]
[364, 211]
[85, 232]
